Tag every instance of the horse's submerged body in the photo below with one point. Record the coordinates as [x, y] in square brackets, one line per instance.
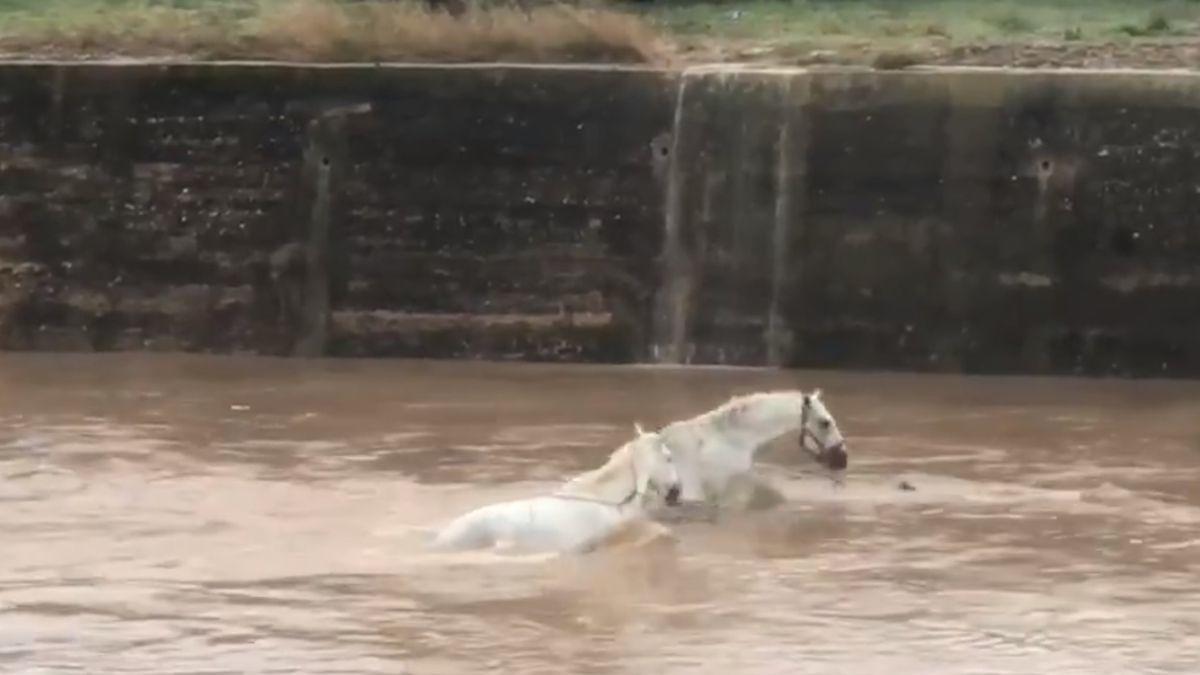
[587, 511]
[714, 451]
[537, 524]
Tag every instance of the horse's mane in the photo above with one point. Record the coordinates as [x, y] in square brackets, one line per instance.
[722, 412]
[614, 472]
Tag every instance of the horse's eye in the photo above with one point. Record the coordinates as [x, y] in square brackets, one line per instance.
[824, 424]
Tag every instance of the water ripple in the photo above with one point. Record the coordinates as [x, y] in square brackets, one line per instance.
[246, 516]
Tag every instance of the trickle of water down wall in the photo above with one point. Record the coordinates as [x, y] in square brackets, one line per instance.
[955, 220]
[952, 220]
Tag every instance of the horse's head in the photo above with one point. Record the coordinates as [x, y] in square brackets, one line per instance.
[818, 425]
[653, 466]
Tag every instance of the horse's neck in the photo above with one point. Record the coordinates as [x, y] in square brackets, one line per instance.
[726, 425]
[613, 482]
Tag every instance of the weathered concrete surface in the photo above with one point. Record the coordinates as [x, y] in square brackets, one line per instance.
[978, 221]
[982, 221]
[286, 209]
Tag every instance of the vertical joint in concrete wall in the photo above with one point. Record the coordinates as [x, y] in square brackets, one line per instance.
[972, 143]
[324, 160]
[790, 183]
[58, 88]
[674, 293]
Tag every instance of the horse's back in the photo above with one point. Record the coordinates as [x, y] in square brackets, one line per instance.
[468, 531]
[539, 524]
[557, 524]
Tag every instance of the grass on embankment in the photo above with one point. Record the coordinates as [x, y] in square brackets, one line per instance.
[799, 25]
[970, 20]
[321, 30]
[789, 31]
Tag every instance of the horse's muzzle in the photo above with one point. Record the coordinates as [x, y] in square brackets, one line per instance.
[836, 458]
[672, 497]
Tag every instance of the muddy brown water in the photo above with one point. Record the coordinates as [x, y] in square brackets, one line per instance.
[164, 514]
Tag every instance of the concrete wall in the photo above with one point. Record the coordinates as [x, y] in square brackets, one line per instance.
[979, 221]
[446, 212]
[990, 221]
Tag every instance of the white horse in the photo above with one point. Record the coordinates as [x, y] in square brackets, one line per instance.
[714, 451]
[589, 510]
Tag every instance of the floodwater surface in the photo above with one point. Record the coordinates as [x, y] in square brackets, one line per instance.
[168, 514]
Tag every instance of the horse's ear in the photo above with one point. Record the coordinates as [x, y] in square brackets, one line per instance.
[817, 394]
[637, 428]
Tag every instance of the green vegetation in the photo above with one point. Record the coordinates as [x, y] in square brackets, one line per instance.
[962, 20]
[897, 33]
[592, 30]
[322, 30]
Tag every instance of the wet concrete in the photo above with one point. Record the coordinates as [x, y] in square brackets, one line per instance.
[953, 220]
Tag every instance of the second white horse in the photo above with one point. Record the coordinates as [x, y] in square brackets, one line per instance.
[588, 510]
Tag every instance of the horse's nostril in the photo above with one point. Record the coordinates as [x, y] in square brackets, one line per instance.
[837, 459]
[673, 495]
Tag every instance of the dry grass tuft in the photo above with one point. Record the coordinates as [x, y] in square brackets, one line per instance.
[324, 30]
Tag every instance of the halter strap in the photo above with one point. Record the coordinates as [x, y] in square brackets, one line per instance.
[805, 434]
[594, 500]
